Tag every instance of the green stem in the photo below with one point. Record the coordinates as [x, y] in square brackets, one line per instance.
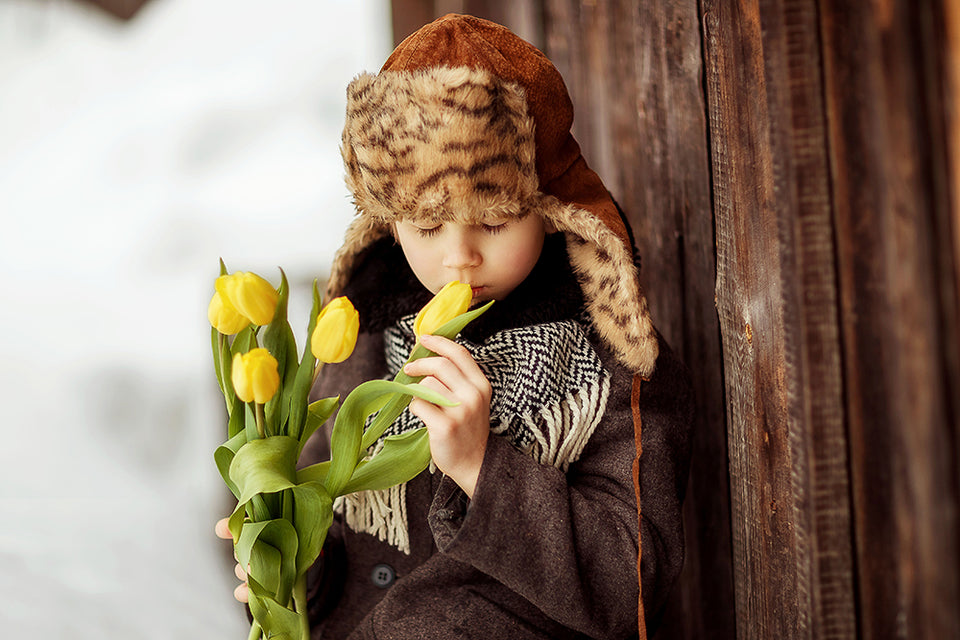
[287, 504]
[257, 509]
[255, 631]
[300, 604]
[261, 419]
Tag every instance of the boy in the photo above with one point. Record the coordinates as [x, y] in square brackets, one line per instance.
[462, 167]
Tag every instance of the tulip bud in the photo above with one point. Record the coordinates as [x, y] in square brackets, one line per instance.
[335, 334]
[255, 376]
[223, 317]
[449, 302]
[250, 295]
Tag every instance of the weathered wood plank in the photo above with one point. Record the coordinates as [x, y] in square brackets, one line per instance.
[635, 76]
[749, 296]
[777, 305]
[901, 406]
[814, 381]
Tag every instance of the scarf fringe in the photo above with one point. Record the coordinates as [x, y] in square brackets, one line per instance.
[380, 513]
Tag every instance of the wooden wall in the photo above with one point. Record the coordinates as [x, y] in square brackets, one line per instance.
[791, 171]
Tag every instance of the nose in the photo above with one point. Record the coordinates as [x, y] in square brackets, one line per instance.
[462, 251]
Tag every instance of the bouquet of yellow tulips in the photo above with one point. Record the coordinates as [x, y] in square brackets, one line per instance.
[283, 513]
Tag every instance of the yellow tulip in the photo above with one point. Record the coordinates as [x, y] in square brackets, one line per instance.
[335, 334]
[250, 295]
[255, 375]
[449, 302]
[223, 317]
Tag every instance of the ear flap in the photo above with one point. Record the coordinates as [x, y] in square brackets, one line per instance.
[610, 282]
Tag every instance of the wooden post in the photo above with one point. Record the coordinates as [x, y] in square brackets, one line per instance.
[898, 278]
[777, 303]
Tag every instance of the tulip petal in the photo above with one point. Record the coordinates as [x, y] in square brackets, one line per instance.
[255, 376]
[335, 334]
[451, 301]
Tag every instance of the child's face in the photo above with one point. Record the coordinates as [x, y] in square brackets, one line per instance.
[493, 258]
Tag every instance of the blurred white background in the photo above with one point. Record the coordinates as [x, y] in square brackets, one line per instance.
[132, 157]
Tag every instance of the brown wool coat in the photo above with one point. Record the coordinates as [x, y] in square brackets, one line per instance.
[536, 553]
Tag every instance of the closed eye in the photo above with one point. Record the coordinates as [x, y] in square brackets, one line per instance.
[494, 228]
[426, 232]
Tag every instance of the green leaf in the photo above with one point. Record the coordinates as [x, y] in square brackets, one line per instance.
[278, 622]
[264, 465]
[313, 515]
[348, 427]
[226, 370]
[217, 366]
[290, 377]
[269, 549]
[317, 413]
[236, 422]
[235, 523]
[245, 340]
[250, 422]
[277, 337]
[304, 379]
[397, 404]
[223, 456]
[314, 473]
[401, 458]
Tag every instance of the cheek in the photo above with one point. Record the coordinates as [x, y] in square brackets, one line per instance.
[421, 258]
[518, 258]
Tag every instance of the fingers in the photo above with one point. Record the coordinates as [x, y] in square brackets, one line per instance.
[455, 368]
[242, 592]
[222, 529]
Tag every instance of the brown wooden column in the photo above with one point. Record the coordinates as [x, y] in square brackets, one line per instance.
[897, 260]
[777, 303]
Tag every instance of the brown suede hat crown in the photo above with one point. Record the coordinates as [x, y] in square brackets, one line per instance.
[459, 40]
[467, 120]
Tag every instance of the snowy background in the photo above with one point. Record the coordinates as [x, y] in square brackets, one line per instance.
[132, 157]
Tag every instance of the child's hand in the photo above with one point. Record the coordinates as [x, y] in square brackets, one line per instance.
[241, 593]
[458, 435]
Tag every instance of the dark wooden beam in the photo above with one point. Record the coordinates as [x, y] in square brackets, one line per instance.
[897, 272]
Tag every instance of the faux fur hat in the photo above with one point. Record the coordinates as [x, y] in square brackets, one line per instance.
[466, 122]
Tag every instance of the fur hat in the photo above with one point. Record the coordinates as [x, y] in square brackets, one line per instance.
[466, 121]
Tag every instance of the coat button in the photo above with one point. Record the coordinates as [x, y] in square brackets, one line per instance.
[383, 575]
